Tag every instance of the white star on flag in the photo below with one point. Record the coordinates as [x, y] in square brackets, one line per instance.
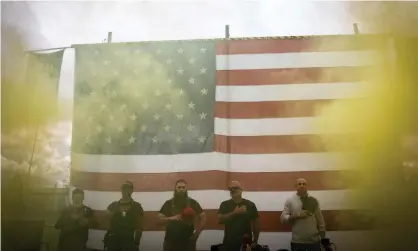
[202, 115]
[191, 105]
[191, 81]
[178, 139]
[190, 127]
[204, 91]
[169, 61]
[131, 140]
[203, 70]
[145, 105]
[157, 116]
[180, 51]
[202, 50]
[168, 106]
[201, 139]
[192, 60]
[180, 71]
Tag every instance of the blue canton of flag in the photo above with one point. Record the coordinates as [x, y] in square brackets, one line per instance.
[145, 98]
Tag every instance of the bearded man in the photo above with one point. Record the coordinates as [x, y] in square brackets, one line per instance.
[184, 220]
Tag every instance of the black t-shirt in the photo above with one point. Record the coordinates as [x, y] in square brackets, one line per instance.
[179, 230]
[126, 216]
[72, 232]
[238, 225]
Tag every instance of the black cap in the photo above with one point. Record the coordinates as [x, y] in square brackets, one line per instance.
[127, 184]
[78, 191]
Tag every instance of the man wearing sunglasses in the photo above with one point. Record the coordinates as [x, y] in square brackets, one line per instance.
[126, 218]
[303, 213]
[240, 218]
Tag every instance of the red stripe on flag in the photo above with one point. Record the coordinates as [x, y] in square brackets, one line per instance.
[336, 220]
[275, 144]
[274, 109]
[211, 180]
[289, 76]
[312, 44]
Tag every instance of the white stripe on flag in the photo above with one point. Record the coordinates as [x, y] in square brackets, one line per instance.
[287, 92]
[279, 126]
[292, 162]
[211, 199]
[294, 60]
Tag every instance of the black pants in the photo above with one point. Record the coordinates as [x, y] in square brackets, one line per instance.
[117, 243]
[72, 243]
[305, 247]
[172, 245]
[232, 244]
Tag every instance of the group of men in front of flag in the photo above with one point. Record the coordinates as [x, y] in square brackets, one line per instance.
[184, 220]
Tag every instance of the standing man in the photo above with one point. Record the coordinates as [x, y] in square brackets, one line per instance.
[240, 217]
[303, 213]
[126, 218]
[180, 215]
[74, 223]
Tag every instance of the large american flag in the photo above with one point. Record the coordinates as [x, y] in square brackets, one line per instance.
[210, 112]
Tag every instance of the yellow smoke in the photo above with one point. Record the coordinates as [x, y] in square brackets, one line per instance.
[380, 121]
[23, 104]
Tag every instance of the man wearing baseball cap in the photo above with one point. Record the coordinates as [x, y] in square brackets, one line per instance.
[126, 218]
[180, 214]
[74, 223]
[240, 218]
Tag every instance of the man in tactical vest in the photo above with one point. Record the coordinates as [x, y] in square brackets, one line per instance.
[126, 218]
[184, 220]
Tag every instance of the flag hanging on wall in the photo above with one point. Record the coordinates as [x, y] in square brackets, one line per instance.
[211, 112]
